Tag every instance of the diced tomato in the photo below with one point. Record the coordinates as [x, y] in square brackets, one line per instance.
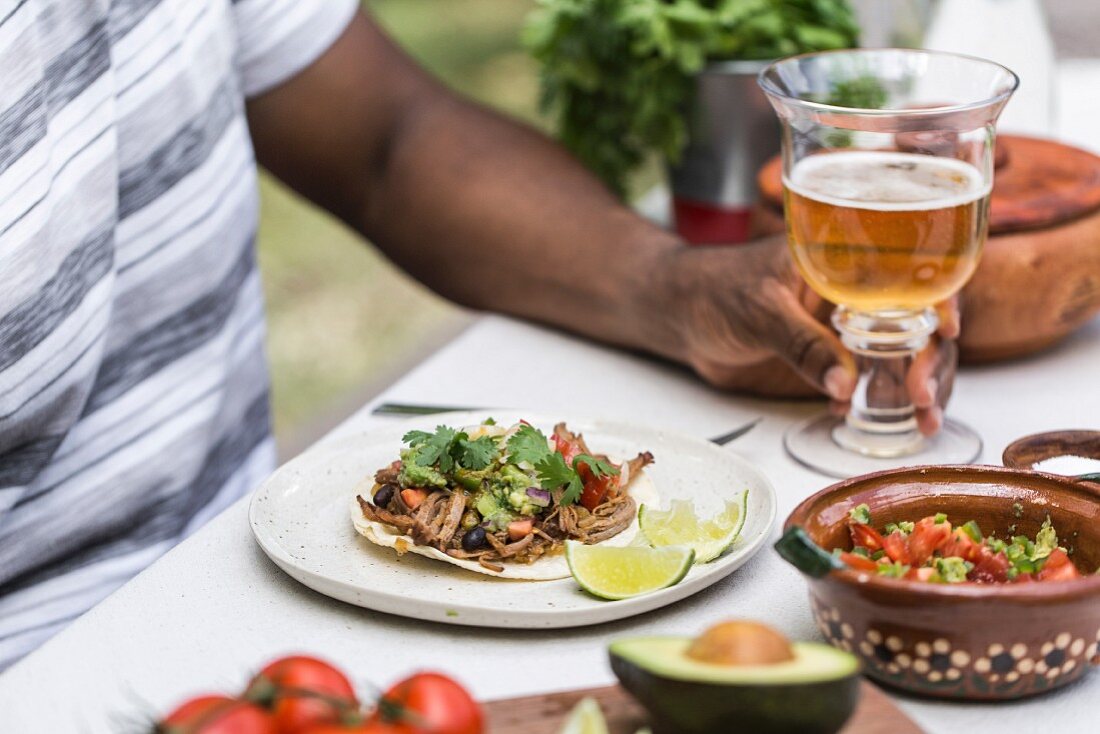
[866, 536]
[858, 562]
[990, 568]
[1058, 567]
[520, 529]
[962, 545]
[596, 488]
[920, 574]
[413, 497]
[568, 449]
[896, 547]
[927, 537]
[1024, 578]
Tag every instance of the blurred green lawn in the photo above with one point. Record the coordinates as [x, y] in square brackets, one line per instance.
[343, 320]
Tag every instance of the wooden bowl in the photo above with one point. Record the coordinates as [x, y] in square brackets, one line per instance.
[962, 641]
[1026, 452]
[1039, 276]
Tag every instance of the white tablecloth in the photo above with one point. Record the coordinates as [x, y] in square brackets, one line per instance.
[215, 608]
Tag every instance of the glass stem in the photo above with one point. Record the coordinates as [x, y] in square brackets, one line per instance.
[881, 421]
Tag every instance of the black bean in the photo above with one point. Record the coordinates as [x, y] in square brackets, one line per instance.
[383, 496]
[474, 539]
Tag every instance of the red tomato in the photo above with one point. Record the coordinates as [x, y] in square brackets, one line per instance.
[216, 715]
[1058, 567]
[896, 547]
[301, 690]
[858, 562]
[866, 536]
[927, 537]
[962, 545]
[595, 488]
[413, 496]
[367, 727]
[990, 568]
[520, 529]
[430, 703]
[567, 449]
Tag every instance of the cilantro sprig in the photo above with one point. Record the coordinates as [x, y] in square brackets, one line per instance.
[448, 448]
[554, 472]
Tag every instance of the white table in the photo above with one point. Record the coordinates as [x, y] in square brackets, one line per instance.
[215, 608]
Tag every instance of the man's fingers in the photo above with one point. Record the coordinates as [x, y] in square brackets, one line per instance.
[950, 319]
[921, 381]
[808, 345]
[930, 420]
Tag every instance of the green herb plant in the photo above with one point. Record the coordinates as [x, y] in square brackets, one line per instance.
[617, 74]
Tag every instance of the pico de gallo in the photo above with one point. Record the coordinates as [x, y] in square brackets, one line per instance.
[932, 550]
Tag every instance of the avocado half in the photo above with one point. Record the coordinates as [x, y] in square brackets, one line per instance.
[814, 693]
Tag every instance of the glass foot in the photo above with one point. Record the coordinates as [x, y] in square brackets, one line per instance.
[823, 444]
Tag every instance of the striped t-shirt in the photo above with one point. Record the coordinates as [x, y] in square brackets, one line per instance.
[133, 385]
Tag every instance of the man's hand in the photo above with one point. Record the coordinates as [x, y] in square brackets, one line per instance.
[748, 322]
[494, 215]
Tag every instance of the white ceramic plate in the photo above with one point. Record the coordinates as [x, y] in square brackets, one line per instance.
[300, 518]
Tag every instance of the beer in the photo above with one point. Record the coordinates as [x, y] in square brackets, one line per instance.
[886, 231]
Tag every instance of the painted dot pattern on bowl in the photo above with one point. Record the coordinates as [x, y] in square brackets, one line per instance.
[933, 665]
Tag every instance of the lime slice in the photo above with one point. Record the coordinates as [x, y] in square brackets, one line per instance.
[586, 718]
[679, 525]
[611, 572]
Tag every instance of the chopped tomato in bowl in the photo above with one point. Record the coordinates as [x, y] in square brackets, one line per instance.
[964, 582]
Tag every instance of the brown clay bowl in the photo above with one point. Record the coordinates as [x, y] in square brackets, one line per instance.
[962, 641]
[1026, 452]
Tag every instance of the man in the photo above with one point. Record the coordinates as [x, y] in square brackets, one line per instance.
[133, 388]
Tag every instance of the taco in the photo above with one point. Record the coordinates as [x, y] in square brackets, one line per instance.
[502, 501]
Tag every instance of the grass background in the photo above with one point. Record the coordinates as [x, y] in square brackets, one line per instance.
[342, 320]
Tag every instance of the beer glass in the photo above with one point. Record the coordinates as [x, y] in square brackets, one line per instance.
[887, 171]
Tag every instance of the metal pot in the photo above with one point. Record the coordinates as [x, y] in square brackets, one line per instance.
[732, 131]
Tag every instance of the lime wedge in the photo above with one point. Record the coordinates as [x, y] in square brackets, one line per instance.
[586, 718]
[679, 525]
[621, 572]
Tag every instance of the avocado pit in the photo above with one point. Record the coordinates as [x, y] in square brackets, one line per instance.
[741, 643]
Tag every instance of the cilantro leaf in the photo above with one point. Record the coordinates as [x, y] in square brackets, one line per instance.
[415, 438]
[528, 444]
[554, 473]
[435, 448]
[476, 454]
[598, 467]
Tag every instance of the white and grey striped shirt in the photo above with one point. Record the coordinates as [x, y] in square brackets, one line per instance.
[133, 385]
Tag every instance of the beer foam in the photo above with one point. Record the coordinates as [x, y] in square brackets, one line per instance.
[887, 180]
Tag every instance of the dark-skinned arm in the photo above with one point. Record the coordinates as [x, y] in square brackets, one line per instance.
[495, 216]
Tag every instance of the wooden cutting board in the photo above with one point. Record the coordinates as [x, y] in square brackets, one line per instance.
[545, 714]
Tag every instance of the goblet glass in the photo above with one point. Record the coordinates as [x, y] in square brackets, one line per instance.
[887, 171]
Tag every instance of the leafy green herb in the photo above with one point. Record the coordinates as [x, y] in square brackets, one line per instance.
[1017, 510]
[940, 518]
[618, 76]
[598, 467]
[554, 473]
[860, 514]
[1046, 540]
[447, 448]
[528, 444]
[476, 454]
